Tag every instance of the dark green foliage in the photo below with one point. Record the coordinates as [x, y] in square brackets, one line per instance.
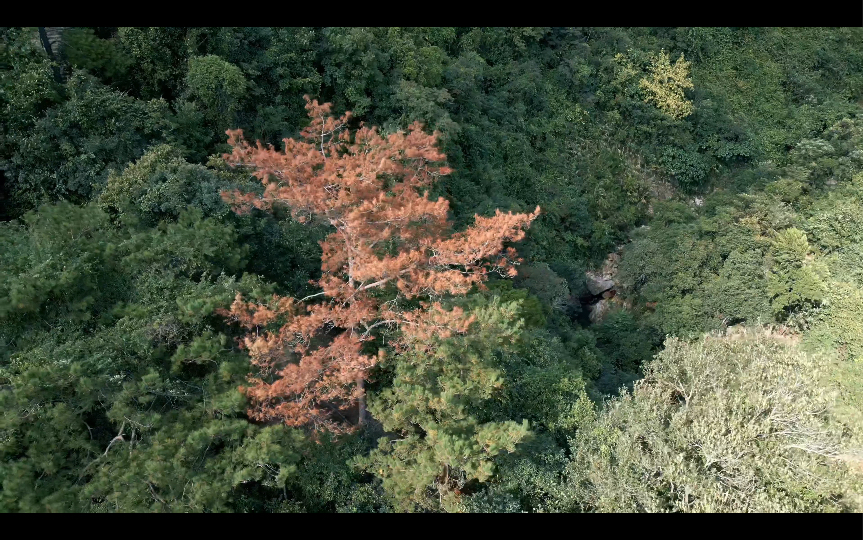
[534, 480]
[737, 292]
[55, 261]
[84, 49]
[736, 201]
[687, 166]
[159, 58]
[550, 288]
[218, 86]
[545, 379]
[623, 343]
[116, 331]
[439, 410]
[161, 185]
[794, 284]
[68, 153]
[324, 481]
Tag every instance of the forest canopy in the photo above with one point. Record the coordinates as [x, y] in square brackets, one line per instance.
[431, 269]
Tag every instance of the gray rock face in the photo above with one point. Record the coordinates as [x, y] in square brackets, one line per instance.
[597, 284]
[599, 310]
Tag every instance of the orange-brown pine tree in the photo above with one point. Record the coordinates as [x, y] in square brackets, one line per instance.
[388, 235]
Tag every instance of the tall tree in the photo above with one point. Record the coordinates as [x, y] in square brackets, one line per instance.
[392, 255]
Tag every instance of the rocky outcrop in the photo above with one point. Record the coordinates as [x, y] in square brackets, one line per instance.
[597, 284]
[603, 280]
[601, 283]
[609, 266]
[599, 310]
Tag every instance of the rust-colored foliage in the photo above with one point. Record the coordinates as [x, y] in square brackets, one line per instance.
[388, 235]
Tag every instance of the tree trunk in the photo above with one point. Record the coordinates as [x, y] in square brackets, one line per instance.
[46, 44]
[43, 37]
[362, 402]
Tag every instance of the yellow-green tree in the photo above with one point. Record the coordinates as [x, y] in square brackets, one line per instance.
[665, 83]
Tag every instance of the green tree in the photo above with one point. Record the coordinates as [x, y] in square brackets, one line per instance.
[796, 282]
[665, 84]
[218, 86]
[743, 424]
[434, 407]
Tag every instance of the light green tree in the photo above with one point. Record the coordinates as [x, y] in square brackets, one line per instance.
[725, 424]
[797, 280]
[218, 86]
[665, 84]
